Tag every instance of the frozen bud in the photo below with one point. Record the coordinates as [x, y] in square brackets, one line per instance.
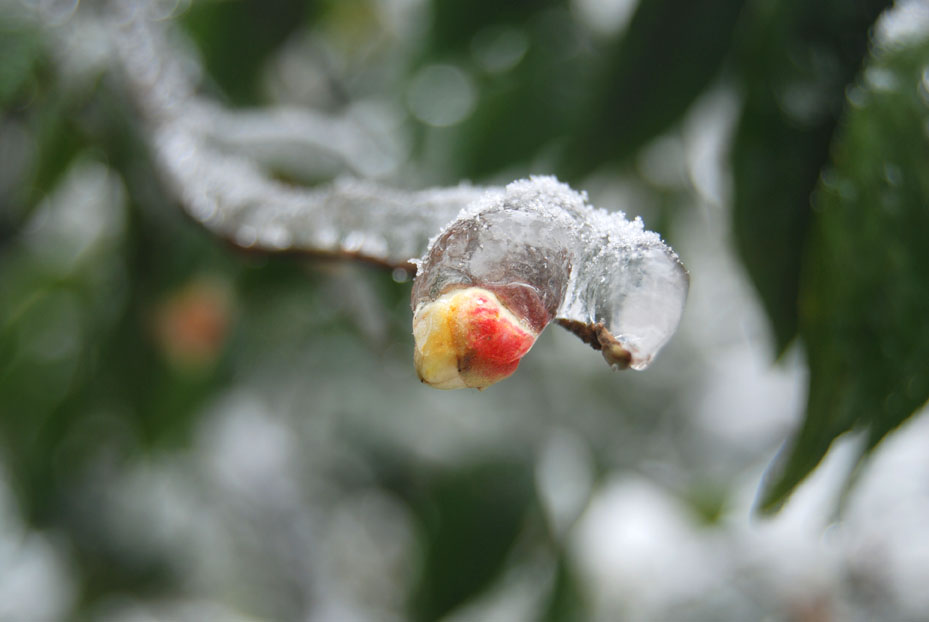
[468, 338]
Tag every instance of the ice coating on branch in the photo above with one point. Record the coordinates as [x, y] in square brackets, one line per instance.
[547, 254]
[535, 247]
[214, 159]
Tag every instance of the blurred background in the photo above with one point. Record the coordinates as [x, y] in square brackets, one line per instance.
[192, 432]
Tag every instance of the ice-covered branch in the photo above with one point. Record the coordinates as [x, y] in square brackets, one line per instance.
[497, 264]
[202, 148]
[537, 251]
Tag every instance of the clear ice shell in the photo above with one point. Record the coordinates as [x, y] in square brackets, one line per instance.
[550, 255]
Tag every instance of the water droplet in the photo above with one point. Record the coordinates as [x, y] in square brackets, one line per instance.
[605, 17]
[353, 241]
[881, 79]
[498, 48]
[893, 174]
[275, 236]
[803, 102]
[203, 207]
[400, 275]
[246, 236]
[441, 95]
[924, 85]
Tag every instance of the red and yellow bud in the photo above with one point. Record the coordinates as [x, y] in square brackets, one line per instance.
[468, 338]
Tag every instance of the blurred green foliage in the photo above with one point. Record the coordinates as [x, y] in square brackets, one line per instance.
[795, 62]
[472, 516]
[863, 300]
[236, 40]
[89, 359]
[653, 74]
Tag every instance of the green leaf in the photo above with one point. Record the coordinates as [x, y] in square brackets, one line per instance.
[671, 51]
[796, 60]
[237, 38]
[575, 100]
[456, 22]
[21, 50]
[863, 299]
[566, 602]
[528, 106]
[58, 140]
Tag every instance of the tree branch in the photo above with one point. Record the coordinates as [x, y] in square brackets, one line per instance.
[537, 245]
